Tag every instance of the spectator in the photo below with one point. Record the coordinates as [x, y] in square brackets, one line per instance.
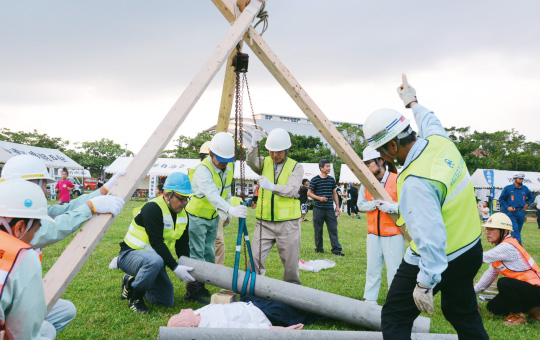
[304, 199]
[159, 190]
[537, 202]
[99, 183]
[515, 199]
[255, 197]
[64, 188]
[483, 209]
[352, 201]
[322, 190]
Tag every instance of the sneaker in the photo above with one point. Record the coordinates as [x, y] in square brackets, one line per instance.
[535, 313]
[319, 251]
[359, 217]
[515, 319]
[138, 306]
[127, 290]
[196, 298]
[338, 254]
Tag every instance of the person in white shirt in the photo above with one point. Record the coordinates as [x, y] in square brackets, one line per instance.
[483, 210]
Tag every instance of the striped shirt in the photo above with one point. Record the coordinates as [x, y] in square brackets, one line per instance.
[506, 253]
[323, 187]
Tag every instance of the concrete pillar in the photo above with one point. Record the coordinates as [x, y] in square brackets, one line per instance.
[334, 306]
[176, 333]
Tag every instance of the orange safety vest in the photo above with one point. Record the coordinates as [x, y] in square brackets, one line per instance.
[531, 275]
[379, 223]
[10, 248]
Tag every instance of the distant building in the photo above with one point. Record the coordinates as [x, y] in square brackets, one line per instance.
[268, 122]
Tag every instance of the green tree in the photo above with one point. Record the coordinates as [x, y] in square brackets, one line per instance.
[354, 136]
[95, 155]
[188, 147]
[33, 138]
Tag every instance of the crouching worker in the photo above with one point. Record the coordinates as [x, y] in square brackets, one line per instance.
[22, 303]
[159, 229]
[519, 289]
[230, 315]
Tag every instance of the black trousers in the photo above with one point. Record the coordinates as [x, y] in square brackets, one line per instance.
[458, 299]
[514, 296]
[538, 217]
[329, 216]
[352, 207]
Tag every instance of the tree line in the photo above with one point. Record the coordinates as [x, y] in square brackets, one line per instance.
[503, 150]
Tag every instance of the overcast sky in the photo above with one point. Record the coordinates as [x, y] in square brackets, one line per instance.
[86, 70]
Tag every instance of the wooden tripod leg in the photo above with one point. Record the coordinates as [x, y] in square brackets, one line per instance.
[77, 252]
[310, 109]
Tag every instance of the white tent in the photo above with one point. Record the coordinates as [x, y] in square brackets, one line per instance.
[75, 173]
[347, 176]
[500, 178]
[51, 157]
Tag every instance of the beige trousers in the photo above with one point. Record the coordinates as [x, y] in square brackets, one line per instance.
[220, 244]
[287, 236]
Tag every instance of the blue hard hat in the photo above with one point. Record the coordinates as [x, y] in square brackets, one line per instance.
[179, 182]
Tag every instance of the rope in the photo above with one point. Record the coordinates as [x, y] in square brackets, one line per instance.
[263, 17]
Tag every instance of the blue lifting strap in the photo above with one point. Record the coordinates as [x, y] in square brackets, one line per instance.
[242, 231]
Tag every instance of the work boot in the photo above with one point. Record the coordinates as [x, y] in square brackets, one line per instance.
[535, 313]
[193, 293]
[136, 302]
[515, 319]
[203, 291]
[127, 289]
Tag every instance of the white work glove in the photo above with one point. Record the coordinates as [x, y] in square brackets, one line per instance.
[369, 206]
[239, 211]
[113, 180]
[183, 273]
[386, 207]
[107, 204]
[265, 183]
[114, 263]
[256, 137]
[406, 92]
[423, 298]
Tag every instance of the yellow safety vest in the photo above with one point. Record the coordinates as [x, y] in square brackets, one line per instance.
[276, 208]
[441, 161]
[137, 238]
[236, 201]
[201, 206]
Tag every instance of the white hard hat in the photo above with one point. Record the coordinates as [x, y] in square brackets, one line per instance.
[382, 126]
[278, 140]
[519, 175]
[222, 145]
[25, 167]
[370, 154]
[23, 199]
[205, 148]
[499, 221]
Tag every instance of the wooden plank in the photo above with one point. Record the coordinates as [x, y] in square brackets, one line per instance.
[227, 94]
[75, 255]
[311, 110]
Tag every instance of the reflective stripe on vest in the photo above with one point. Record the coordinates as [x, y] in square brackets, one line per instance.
[276, 208]
[441, 161]
[379, 223]
[10, 248]
[201, 206]
[531, 275]
[137, 238]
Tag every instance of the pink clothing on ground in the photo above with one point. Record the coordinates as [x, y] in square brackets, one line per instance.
[63, 190]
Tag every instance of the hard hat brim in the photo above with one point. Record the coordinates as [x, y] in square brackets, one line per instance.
[224, 160]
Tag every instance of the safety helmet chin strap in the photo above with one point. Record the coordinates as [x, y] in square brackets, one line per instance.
[6, 225]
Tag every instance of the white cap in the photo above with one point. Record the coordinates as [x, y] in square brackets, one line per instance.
[519, 175]
[370, 154]
[25, 167]
[222, 145]
[382, 126]
[278, 140]
[23, 199]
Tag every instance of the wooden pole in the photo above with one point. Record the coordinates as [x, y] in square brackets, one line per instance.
[311, 110]
[227, 95]
[75, 255]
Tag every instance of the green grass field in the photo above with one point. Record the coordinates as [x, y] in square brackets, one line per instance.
[101, 314]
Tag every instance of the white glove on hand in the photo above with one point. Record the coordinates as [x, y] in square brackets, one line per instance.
[107, 204]
[406, 92]
[239, 211]
[114, 263]
[265, 183]
[386, 207]
[423, 298]
[256, 137]
[182, 273]
[369, 206]
[113, 180]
